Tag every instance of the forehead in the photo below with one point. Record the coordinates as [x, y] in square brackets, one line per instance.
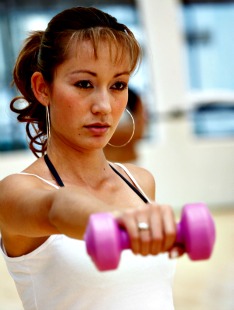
[112, 52]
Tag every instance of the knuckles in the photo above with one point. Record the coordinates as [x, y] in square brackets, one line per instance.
[157, 239]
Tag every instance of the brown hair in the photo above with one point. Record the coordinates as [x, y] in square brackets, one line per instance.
[43, 51]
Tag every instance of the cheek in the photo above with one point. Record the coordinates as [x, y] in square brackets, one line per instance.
[65, 114]
[62, 105]
[61, 113]
[120, 103]
[121, 106]
[117, 111]
[121, 110]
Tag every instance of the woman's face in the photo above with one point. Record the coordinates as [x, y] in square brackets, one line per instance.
[88, 96]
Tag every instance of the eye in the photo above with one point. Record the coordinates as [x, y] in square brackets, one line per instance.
[83, 84]
[119, 85]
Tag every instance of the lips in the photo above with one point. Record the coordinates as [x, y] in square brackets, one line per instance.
[98, 128]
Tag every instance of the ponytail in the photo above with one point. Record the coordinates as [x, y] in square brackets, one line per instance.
[26, 65]
[33, 113]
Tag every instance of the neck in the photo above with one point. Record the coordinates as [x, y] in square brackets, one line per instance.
[76, 167]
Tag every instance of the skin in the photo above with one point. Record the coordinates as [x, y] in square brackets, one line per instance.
[86, 100]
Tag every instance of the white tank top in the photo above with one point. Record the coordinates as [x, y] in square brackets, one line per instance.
[59, 275]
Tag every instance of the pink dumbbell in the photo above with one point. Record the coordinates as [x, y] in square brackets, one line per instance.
[105, 239]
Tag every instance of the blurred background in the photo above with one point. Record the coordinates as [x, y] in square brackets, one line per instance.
[186, 83]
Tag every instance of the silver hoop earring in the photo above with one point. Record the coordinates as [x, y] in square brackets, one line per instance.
[48, 124]
[133, 131]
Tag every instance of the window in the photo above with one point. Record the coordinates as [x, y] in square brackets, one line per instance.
[210, 49]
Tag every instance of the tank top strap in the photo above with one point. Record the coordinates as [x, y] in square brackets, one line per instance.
[37, 176]
[133, 180]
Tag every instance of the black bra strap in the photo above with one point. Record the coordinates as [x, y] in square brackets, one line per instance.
[53, 171]
[131, 185]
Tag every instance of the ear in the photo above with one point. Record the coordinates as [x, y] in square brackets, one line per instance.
[40, 88]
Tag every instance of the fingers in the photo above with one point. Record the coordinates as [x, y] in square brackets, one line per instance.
[157, 230]
[151, 228]
[144, 234]
[169, 228]
[163, 229]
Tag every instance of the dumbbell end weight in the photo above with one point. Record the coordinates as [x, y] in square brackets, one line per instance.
[196, 231]
[105, 240]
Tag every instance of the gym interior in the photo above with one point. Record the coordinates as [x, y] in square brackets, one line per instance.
[186, 83]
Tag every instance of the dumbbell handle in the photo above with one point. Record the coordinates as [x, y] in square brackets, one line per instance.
[124, 239]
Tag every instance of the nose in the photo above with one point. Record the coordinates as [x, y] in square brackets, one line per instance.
[101, 102]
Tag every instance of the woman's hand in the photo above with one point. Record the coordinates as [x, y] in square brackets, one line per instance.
[152, 229]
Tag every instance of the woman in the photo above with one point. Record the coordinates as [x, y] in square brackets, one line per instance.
[74, 77]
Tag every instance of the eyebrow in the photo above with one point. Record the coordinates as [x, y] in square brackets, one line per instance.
[95, 74]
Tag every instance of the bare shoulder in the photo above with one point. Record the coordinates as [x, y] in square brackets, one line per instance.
[13, 180]
[144, 178]
[11, 189]
[34, 176]
[11, 185]
[18, 185]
